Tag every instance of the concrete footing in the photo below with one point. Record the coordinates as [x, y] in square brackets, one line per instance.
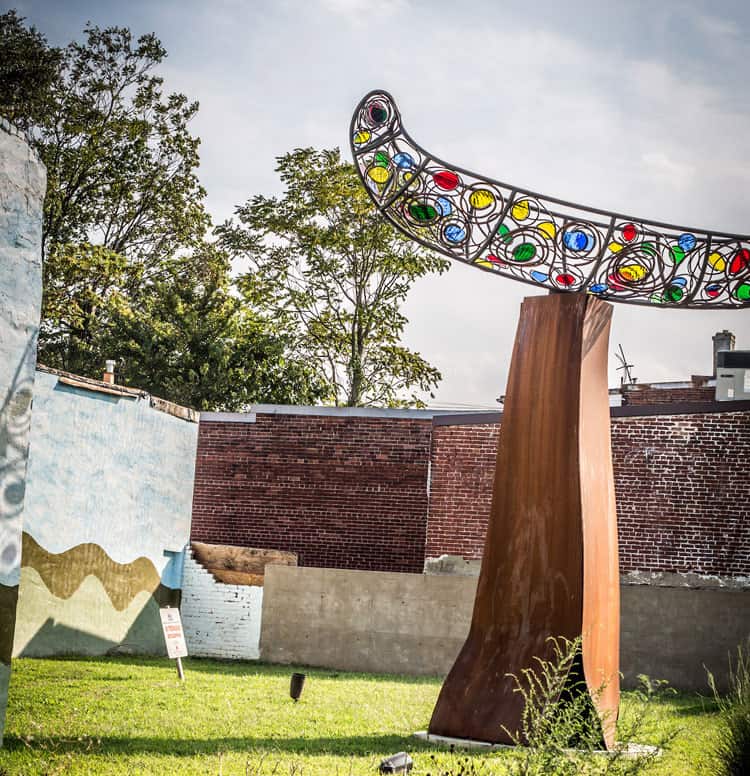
[628, 751]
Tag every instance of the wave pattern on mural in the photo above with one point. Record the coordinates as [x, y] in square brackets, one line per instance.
[538, 239]
[63, 573]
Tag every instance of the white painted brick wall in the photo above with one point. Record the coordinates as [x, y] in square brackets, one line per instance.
[219, 620]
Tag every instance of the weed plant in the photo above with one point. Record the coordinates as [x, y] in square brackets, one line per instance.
[732, 746]
[561, 733]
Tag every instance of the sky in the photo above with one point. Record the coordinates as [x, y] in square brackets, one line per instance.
[638, 107]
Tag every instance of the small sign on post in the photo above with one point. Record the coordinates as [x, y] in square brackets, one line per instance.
[174, 638]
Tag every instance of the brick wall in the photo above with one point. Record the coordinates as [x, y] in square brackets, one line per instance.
[351, 492]
[463, 467]
[341, 492]
[640, 395]
[219, 620]
[683, 494]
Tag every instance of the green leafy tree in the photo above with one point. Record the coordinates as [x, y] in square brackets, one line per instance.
[28, 69]
[128, 272]
[193, 341]
[121, 161]
[335, 275]
[182, 335]
[85, 287]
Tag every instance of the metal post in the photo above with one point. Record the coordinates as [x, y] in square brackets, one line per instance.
[180, 672]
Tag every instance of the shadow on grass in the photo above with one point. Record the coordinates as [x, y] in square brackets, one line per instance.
[235, 667]
[116, 745]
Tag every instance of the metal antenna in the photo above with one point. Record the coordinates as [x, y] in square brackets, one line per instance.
[626, 378]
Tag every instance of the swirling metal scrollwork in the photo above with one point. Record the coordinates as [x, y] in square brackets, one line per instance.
[538, 239]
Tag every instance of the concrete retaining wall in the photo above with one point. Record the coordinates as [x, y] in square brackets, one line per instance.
[415, 624]
[387, 622]
[673, 632]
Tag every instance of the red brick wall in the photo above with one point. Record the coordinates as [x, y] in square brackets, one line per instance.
[351, 492]
[463, 466]
[683, 492]
[645, 395]
[340, 492]
[682, 485]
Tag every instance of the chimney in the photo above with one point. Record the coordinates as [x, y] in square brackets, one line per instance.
[109, 375]
[723, 340]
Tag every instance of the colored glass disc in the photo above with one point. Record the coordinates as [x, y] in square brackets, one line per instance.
[524, 252]
[422, 213]
[481, 199]
[577, 240]
[454, 233]
[742, 292]
[632, 273]
[403, 160]
[740, 261]
[445, 180]
[678, 254]
[520, 211]
[687, 242]
[378, 113]
[379, 174]
[547, 228]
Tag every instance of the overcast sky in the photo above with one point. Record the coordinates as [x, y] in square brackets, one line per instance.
[639, 107]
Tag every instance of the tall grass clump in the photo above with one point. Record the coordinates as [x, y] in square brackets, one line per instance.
[732, 745]
[561, 733]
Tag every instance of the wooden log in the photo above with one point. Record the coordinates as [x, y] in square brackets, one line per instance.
[550, 565]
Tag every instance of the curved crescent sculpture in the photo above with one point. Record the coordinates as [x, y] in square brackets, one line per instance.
[538, 239]
[550, 559]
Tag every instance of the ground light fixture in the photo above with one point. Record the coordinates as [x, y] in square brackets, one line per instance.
[397, 763]
[296, 685]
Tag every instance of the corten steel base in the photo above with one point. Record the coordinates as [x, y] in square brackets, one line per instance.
[550, 563]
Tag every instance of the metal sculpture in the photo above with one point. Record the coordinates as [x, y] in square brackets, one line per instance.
[550, 565]
[538, 239]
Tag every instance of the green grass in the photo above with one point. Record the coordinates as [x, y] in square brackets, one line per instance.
[132, 716]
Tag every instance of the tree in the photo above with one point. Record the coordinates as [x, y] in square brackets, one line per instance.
[193, 341]
[128, 272]
[121, 162]
[335, 274]
[85, 286]
[28, 68]
[183, 335]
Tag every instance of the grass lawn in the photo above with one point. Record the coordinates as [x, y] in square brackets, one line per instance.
[132, 716]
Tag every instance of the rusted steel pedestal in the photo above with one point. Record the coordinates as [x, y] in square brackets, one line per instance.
[550, 563]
